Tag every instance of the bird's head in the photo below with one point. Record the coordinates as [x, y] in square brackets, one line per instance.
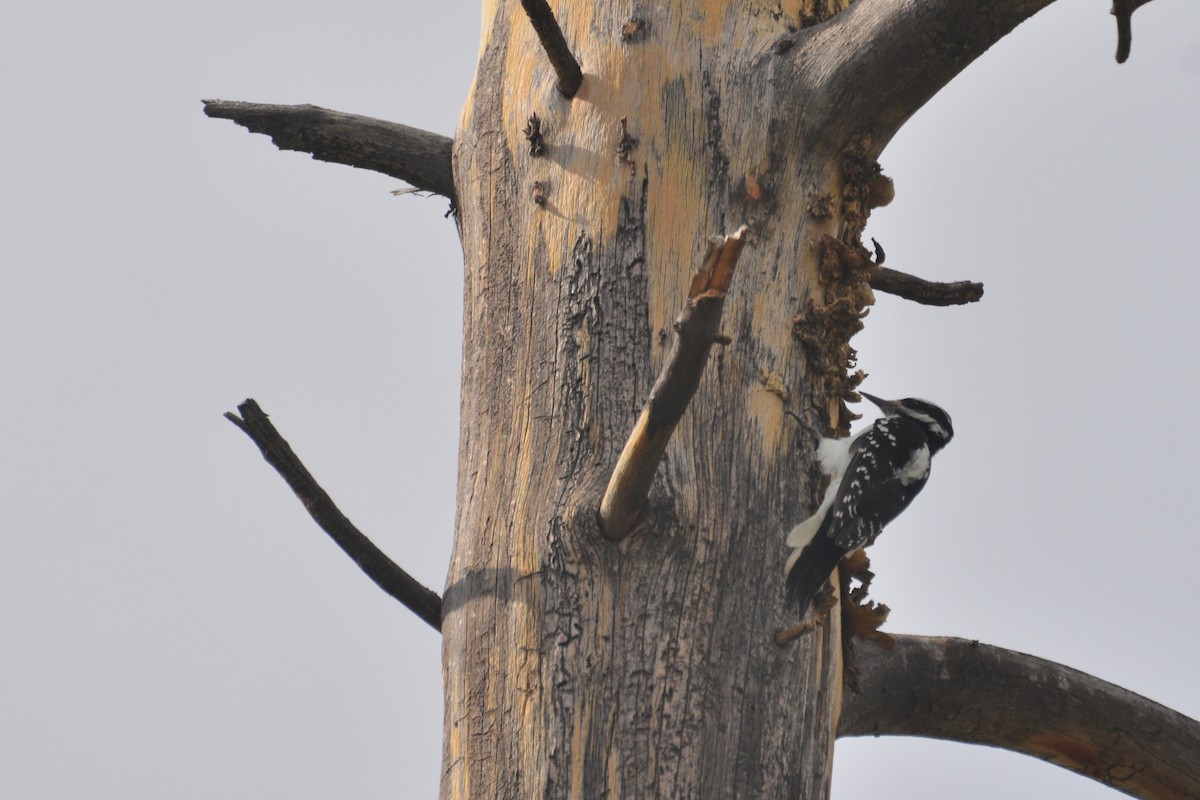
[936, 422]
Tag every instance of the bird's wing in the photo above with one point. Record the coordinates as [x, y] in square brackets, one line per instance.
[881, 480]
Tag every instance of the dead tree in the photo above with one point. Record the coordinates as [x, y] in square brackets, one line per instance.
[661, 209]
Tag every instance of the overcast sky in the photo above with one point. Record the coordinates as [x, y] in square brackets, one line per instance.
[172, 624]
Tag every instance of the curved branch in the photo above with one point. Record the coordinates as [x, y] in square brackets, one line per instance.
[961, 690]
[697, 328]
[418, 157]
[890, 57]
[386, 573]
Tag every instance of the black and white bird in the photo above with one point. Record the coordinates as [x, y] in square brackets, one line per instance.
[874, 475]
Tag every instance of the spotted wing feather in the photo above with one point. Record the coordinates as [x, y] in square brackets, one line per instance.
[889, 465]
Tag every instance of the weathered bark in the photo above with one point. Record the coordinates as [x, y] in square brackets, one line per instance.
[643, 670]
[572, 666]
[970, 692]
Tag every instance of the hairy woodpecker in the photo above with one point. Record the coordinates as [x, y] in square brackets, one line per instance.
[874, 475]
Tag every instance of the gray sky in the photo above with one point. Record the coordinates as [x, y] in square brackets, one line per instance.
[174, 625]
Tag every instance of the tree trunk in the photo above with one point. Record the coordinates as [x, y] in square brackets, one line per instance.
[574, 666]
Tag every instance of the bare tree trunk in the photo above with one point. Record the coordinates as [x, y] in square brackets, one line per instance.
[574, 666]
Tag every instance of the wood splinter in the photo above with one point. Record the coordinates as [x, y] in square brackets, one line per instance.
[696, 330]
[422, 601]
[570, 76]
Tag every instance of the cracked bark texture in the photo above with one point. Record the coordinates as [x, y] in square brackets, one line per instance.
[573, 667]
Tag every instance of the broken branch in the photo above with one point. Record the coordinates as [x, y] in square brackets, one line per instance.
[418, 157]
[1123, 11]
[386, 573]
[570, 76]
[697, 328]
[964, 691]
[919, 290]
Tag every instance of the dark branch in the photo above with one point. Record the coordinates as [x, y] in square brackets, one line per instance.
[391, 578]
[1123, 11]
[887, 58]
[965, 691]
[696, 330]
[570, 76]
[419, 157]
[910, 287]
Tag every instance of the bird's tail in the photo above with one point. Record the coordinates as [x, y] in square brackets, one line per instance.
[809, 572]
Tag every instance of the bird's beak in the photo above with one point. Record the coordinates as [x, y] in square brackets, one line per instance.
[885, 406]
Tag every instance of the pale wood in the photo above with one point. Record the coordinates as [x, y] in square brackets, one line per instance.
[965, 691]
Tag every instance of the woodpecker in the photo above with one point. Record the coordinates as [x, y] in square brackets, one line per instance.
[874, 475]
